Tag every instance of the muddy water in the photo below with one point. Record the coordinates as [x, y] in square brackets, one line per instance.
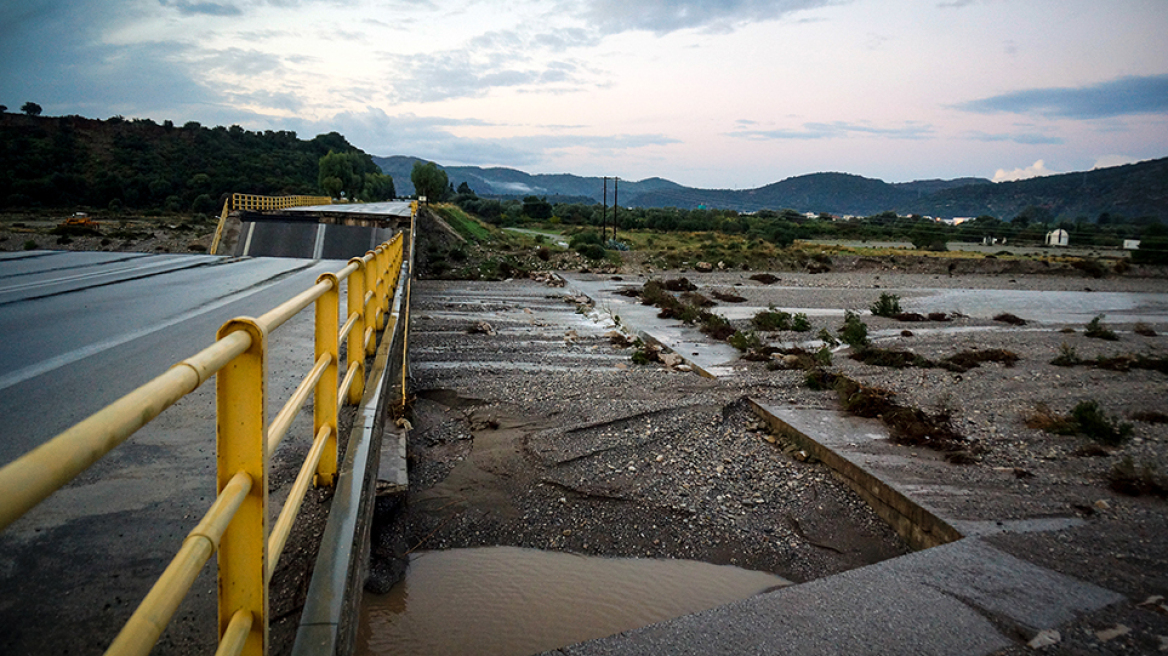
[506, 600]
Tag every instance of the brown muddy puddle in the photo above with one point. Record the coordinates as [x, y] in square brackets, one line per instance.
[512, 601]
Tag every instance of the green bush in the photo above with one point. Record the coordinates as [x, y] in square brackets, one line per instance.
[854, 332]
[1095, 424]
[591, 251]
[745, 341]
[1099, 330]
[888, 305]
[772, 319]
[800, 323]
[30, 245]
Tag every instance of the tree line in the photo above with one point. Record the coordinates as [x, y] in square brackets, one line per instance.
[119, 163]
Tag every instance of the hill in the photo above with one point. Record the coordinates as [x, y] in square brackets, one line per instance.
[1134, 190]
[511, 183]
[75, 161]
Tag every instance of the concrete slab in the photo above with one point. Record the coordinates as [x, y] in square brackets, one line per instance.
[712, 359]
[937, 601]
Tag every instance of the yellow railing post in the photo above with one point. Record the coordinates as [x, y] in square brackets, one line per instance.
[370, 307]
[355, 346]
[382, 286]
[240, 392]
[324, 412]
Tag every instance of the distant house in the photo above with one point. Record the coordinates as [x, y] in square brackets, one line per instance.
[1058, 237]
[1131, 244]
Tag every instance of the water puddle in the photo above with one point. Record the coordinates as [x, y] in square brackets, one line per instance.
[511, 601]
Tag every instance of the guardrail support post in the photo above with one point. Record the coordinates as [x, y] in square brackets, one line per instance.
[240, 391]
[355, 346]
[325, 396]
[371, 306]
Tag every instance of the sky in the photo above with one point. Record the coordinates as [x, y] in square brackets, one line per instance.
[707, 93]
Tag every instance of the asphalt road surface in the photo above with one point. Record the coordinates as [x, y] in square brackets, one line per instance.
[79, 331]
[82, 329]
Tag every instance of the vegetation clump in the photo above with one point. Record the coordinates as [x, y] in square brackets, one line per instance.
[728, 298]
[854, 332]
[1127, 477]
[1011, 319]
[764, 278]
[907, 426]
[1098, 330]
[888, 305]
[1086, 419]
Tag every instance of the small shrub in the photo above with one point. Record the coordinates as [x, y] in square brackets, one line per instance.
[827, 338]
[888, 305]
[1044, 419]
[1090, 267]
[745, 341]
[1127, 477]
[772, 319]
[728, 298]
[823, 356]
[764, 278]
[800, 323]
[1011, 319]
[591, 251]
[1144, 329]
[717, 326]
[1095, 424]
[30, 245]
[854, 332]
[1151, 417]
[457, 254]
[1099, 330]
[1067, 356]
[544, 253]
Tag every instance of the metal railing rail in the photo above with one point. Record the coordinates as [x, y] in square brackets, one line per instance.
[260, 204]
[236, 525]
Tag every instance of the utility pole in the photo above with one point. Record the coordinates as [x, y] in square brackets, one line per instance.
[615, 204]
[604, 210]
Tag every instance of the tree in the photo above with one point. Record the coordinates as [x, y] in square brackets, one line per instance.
[429, 180]
[465, 190]
[31, 108]
[378, 186]
[537, 208]
[347, 168]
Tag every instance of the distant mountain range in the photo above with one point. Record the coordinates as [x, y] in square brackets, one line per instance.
[1132, 190]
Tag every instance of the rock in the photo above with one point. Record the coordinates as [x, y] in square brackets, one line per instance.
[1112, 633]
[683, 367]
[1102, 504]
[481, 328]
[1045, 638]
[704, 267]
[671, 360]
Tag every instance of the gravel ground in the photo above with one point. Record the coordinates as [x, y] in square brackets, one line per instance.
[580, 450]
[529, 439]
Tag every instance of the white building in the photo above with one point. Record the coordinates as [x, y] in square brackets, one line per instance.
[1058, 237]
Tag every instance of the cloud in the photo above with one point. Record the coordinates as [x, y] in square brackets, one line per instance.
[497, 59]
[1108, 161]
[204, 8]
[1119, 97]
[1036, 170]
[1029, 138]
[838, 129]
[659, 17]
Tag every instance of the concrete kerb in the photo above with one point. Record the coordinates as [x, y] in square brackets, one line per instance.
[328, 621]
[647, 338]
[920, 527]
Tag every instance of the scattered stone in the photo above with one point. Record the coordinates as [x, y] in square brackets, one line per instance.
[1045, 638]
[704, 267]
[1102, 505]
[1112, 633]
[481, 328]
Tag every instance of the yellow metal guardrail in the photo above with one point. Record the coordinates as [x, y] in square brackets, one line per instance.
[236, 525]
[260, 204]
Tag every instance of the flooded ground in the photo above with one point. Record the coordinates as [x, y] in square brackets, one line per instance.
[502, 601]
